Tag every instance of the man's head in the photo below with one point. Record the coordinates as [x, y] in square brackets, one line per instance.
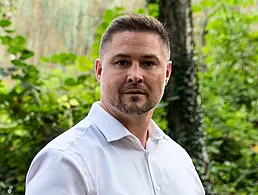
[133, 68]
[135, 23]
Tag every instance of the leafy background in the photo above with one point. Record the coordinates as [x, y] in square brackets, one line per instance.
[41, 100]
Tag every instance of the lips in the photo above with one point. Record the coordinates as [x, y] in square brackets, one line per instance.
[134, 91]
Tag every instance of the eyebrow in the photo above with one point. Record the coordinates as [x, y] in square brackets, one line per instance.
[151, 56]
[122, 55]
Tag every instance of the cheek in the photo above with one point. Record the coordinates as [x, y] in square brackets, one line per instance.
[112, 83]
[156, 81]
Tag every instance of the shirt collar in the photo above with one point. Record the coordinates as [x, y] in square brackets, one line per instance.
[155, 132]
[103, 120]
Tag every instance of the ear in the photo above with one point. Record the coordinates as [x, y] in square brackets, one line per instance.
[168, 71]
[98, 69]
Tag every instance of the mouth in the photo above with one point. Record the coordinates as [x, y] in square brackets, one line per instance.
[135, 92]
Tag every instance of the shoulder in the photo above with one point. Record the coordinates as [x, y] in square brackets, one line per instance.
[80, 136]
[176, 150]
[54, 172]
[75, 145]
[65, 156]
[169, 146]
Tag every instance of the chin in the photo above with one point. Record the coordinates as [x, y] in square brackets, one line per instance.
[135, 99]
[135, 103]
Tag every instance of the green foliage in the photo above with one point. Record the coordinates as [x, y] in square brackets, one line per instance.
[5, 23]
[108, 16]
[16, 112]
[62, 58]
[153, 10]
[229, 94]
[37, 106]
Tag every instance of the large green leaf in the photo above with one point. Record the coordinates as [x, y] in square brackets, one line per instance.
[5, 23]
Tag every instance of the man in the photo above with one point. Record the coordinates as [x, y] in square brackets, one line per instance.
[118, 148]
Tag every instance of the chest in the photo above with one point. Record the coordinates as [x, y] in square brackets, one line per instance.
[126, 171]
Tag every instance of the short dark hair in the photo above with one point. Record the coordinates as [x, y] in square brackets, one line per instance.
[135, 23]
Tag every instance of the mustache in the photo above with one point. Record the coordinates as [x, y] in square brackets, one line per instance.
[134, 86]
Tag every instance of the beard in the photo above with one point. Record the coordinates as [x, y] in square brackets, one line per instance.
[134, 106]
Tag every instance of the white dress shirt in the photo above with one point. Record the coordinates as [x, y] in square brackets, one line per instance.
[99, 156]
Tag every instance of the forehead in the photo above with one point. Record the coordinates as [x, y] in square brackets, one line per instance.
[136, 43]
[126, 36]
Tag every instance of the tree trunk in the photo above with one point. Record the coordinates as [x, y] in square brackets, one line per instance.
[183, 112]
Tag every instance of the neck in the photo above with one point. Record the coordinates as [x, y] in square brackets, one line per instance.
[137, 124]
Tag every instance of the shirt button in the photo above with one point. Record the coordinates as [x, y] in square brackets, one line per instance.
[158, 188]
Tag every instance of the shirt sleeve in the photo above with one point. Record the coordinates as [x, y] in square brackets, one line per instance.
[52, 172]
[198, 187]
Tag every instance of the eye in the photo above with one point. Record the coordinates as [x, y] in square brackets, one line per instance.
[122, 63]
[148, 64]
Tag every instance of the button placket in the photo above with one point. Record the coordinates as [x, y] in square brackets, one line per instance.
[155, 184]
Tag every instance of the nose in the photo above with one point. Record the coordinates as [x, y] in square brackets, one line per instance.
[135, 74]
